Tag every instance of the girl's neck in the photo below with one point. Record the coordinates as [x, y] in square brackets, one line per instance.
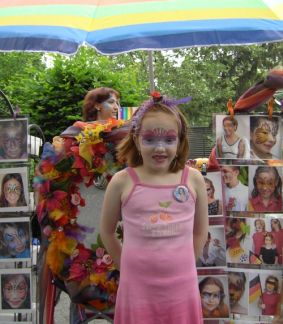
[162, 178]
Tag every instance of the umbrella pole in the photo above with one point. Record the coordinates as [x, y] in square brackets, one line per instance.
[151, 70]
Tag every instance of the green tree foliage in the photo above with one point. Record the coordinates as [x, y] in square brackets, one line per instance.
[52, 95]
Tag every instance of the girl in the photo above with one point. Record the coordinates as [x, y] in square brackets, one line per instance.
[214, 205]
[270, 298]
[212, 298]
[15, 291]
[277, 233]
[12, 191]
[266, 195]
[268, 252]
[258, 236]
[160, 230]
[263, 136]
[14, 239]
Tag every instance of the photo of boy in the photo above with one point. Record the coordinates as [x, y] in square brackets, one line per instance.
[235, 192]
[229, 144]
[13, 140]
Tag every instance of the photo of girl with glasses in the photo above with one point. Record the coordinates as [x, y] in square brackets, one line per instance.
[15, 291]
[212, 298]
[266, 194]
[13, 140]
[270, 297]
[14, 240]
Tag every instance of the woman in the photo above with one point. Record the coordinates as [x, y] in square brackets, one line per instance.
[100, 105]
[12, 191]
[214, 205]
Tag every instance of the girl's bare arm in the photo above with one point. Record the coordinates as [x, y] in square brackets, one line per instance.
[201, 212]
[110, 215]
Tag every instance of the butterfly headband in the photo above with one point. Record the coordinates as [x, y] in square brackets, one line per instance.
[157, 98]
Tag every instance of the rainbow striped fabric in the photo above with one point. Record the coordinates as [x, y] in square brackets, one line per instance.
[126, 113]
[115, 26]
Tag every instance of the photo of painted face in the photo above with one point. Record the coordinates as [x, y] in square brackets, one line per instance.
[212, 298]
[266, 192]
[237, 286]
[12, 191]
[14, 240]
[15, 291]
[265, 137]
[13, 140]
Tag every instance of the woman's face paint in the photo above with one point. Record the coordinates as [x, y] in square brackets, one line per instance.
[15, 291]
[109, 108]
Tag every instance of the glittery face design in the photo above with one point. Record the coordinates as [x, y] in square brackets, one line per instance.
[15, 240]
[266, 131]
[12, 191]
[159, 137]
[15, 291]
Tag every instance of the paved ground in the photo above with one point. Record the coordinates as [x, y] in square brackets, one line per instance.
[62, 312]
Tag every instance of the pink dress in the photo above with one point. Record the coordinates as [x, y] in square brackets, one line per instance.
[158, 281]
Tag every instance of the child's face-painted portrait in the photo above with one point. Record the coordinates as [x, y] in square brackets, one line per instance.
[15, 291]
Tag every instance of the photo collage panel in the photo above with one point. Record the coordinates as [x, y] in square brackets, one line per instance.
[248, 137]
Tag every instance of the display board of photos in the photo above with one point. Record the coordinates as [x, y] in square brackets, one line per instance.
[15, 226]
[240, 269]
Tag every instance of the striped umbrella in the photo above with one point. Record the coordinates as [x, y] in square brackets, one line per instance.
[116, 26]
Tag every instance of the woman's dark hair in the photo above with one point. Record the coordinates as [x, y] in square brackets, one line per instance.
[93, 97]
[22, 200]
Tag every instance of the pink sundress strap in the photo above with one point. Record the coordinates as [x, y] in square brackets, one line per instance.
[185, 173]
[133, 175]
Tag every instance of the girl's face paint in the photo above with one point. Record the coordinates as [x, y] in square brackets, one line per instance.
[263, 137]
[159, 137]
[158, 141]
[109, 108]
[12, 191]
[266, 184]
[15, 240]
[15, 291]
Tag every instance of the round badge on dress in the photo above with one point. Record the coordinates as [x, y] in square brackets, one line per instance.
[181, 193]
